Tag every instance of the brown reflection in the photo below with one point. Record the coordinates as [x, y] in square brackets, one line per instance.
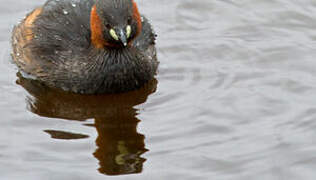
[65, 135]
[119, 145]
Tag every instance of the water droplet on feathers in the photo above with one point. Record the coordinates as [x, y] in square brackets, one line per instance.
[65, 12]
[57, 37]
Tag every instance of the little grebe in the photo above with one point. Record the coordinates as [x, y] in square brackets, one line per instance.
[86, 46]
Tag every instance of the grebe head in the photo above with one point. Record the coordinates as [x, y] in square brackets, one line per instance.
[114, 23]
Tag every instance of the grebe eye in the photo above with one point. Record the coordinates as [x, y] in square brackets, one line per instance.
[113, 34]
[128, 31]
[108, 26]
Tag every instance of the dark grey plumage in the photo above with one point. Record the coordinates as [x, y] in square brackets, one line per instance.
[62, 50]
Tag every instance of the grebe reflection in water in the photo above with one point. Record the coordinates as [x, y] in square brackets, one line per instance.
[119, 145]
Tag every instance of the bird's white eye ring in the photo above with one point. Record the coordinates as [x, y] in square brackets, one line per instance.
[113, 34]
[128, 31]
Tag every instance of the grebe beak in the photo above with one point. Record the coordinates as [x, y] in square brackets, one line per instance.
[122, 37]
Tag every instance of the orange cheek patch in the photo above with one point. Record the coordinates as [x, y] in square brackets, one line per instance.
[137, 17]
[96, 30]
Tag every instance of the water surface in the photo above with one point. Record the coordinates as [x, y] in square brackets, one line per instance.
[234, 99]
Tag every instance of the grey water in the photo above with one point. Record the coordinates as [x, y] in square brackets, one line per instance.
[234, 99]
